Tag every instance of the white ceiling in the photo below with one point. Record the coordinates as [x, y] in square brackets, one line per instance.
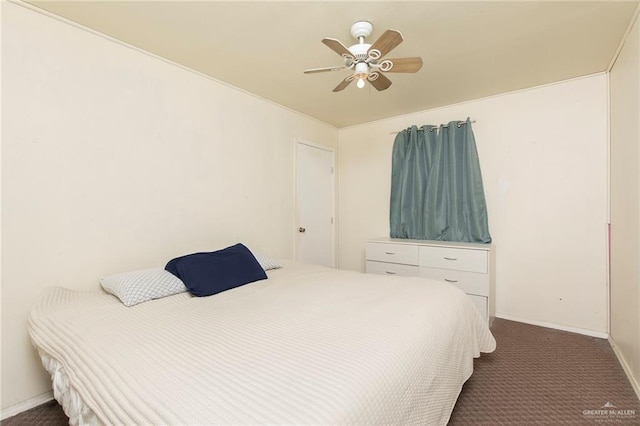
[470, 49]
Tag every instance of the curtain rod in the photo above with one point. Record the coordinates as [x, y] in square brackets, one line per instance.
[431, 128]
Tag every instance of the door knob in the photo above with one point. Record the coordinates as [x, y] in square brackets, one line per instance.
[301, 230]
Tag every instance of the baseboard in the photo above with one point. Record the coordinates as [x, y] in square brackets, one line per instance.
[584, 331]
[26, 405]
[625, 367]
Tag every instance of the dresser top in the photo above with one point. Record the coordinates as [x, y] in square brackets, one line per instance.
[453, 244]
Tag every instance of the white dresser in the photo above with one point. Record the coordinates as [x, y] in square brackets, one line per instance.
[467, 265]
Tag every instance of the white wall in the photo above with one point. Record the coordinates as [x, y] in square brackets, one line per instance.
[114, 160]
[625, 205]
[543, 154]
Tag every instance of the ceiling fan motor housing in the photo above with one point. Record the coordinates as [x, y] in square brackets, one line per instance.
[360, 30]
[360, 51]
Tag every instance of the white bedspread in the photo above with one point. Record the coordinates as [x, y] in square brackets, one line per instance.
[310, 345]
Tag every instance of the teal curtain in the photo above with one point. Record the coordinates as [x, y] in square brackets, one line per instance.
[436, 185]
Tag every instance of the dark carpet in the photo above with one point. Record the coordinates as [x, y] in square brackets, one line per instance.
[543, 376]
[536, 376]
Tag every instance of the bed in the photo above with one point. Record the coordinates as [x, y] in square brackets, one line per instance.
[308, 345]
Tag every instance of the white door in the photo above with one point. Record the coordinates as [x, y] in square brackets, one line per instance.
[314, 204]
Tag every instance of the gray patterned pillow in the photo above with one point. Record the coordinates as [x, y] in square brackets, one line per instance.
[265, 261]
[140, 286]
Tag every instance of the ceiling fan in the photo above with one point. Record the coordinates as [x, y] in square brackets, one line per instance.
[366, 60]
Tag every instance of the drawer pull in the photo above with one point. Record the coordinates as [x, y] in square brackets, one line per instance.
[390, 272]
[450, 258]
[389, 252]
[450, 281]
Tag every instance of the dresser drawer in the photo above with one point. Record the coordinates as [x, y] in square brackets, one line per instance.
[469, 282]
[454, 258]
[393, 253]
[384, 268]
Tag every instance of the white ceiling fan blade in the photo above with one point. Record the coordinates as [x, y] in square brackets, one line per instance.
[316, 70]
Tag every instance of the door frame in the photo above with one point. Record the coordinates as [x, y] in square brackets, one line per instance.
[300, 141]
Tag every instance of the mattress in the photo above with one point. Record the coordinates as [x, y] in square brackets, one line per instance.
[310, 345]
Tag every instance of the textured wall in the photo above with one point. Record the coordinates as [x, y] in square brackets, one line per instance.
[114, 160]
[625, 204]
[543, 154]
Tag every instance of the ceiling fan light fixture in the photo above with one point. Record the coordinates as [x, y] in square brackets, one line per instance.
[361, 73]
[361, 68]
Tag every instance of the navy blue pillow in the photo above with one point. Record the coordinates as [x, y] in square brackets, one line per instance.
[209, 273]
